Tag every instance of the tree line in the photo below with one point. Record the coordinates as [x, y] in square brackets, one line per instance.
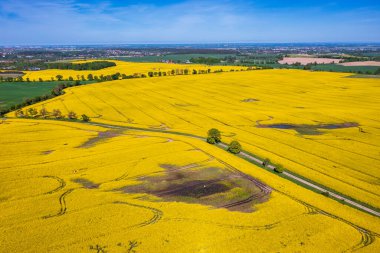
[118, 76]
[45, 114]
[95, 65]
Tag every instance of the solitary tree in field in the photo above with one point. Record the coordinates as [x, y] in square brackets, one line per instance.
[266, 162]
[72, 115]
[90, 77]
[59, 77]
[71, 78]
[57, 113]
[234, 147]
[19, 113]
[32, 112]
[40, 79]
[279, 168]
[44, 113]
[213, 136]
[85, 118]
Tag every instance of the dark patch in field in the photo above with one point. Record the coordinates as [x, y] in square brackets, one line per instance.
[47, 152]
[184, 105]
[102, 136]
[363, 76]
[11, 74]
[217, 187]
[86, 183]
[249, 100]
[306, 129]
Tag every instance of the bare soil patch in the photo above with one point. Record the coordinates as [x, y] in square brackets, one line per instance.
[364, 76]
[217, 187]
[102, 136]
[361, 63]
[305, 60]
[86, 183]
[11, 74]
[46, 152]
[249, 100]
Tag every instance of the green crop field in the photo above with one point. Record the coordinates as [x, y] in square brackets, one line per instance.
[12, 93]
[340, 68]
[327, 67]
[15, 92]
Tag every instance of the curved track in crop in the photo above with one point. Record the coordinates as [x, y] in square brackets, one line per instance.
[157, 214]
[62, 203]
[61, 182]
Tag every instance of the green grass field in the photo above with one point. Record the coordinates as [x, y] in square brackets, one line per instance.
[16, 92]
[12, 93]
[328, 67]
[340, 68]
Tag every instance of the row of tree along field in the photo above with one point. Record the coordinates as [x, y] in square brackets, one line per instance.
[94, 65]
[45, 114]
[118, 76]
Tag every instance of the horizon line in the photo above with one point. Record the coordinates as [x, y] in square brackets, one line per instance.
[186, 43]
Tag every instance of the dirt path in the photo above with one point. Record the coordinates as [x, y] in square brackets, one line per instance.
[287, 175]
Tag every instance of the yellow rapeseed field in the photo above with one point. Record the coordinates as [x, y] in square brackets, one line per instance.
[122, 67]
[60, 192]
[326, 125]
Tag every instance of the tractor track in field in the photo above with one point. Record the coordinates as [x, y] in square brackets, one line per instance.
[157, 213]
[367, 236]
[225, 225]
[61, 182]
[62, 203]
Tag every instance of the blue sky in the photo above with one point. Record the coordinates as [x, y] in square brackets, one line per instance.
[192, 21]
